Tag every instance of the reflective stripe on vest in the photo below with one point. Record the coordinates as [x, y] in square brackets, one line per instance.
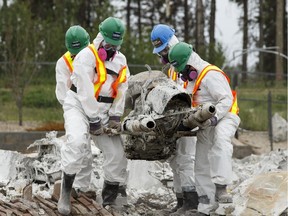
[68, 60]
[185, 84]
[102, 75]
[120, 79]
[174, 76]
[234, 108]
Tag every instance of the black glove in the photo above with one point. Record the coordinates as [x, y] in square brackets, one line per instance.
[96, 127]
[114, 123]
[181, 127]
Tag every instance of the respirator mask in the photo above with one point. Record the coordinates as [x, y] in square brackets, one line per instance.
[107, 51]
[164, 55]
[189, 74]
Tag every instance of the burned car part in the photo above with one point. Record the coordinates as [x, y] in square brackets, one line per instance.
[157, 106]
[149, 128]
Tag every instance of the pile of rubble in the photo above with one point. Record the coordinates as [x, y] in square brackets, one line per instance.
[42, 171]
[38, 205]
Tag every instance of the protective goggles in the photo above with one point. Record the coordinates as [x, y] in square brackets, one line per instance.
[164, 52]
[108, 46]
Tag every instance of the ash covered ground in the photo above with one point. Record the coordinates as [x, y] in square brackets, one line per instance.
[259, 188]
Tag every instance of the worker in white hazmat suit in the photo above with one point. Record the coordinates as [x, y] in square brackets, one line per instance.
[96, 100]
[76, 39]
[182, 162]
[213, 159]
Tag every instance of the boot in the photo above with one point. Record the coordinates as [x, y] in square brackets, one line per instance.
[64, 204]
[221, 195]
[109, 193]
[179, 197]
[121, 199]
[190, 202]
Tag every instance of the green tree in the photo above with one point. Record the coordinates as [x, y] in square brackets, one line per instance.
[19, 49]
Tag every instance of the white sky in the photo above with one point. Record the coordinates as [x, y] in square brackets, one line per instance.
[227, 30]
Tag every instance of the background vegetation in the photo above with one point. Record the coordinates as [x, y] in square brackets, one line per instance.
[32, 39]
[40, 104]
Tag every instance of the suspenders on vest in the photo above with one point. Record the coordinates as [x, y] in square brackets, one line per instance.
[68, 60]
[173, 75]
[234, 108]
[102, 76]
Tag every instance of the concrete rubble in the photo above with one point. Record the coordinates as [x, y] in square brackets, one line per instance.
[259, 186]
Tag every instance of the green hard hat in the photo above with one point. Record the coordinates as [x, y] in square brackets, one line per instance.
[76, 39]
[179, 54]
[112, 29]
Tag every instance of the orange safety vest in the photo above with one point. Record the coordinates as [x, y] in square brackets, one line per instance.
[68, 60]
[234, 108]
[173, 73]
[102, 75]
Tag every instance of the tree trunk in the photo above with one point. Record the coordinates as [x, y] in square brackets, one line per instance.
[139, 20]
[186, 21]
[212, 31]
[4, 4]
[200, 27]
[279, 39]
[19, 104]
[245, 40]
[167, 11]
[128, 13]
[261, 36]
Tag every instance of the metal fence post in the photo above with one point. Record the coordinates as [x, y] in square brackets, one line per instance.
[270, 129]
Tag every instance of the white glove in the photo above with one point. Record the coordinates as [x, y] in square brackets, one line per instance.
[209, 122]
[114, 123]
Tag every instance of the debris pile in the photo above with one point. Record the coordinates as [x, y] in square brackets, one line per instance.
[258, 180]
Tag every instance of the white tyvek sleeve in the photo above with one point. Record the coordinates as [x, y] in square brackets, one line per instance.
[118, 105]
[63, 82]
[219, 89]
[83, 79]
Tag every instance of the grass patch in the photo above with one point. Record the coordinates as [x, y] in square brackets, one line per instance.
[41, 97]
[253, 104]
[49, 114]
[253, 117]
[41, 105]
[9, 112]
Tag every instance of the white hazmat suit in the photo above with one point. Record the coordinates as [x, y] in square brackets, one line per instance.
[214, 149]
[182, 163]
[63, 84]
[82, 105]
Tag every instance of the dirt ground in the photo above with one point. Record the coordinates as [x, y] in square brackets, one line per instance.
[258, 140]
[9, 126]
